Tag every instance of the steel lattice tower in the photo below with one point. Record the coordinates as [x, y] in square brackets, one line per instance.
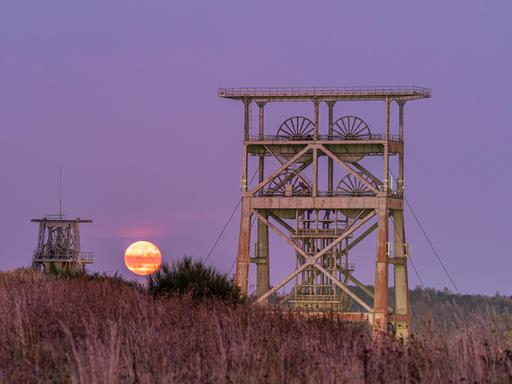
[321, 225]
[58, 245]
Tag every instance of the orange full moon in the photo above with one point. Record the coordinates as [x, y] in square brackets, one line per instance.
[142, 258]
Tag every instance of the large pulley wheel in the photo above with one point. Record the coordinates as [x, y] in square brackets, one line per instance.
[351, 185]
[287, 183]
[296, 128]
[351, 128]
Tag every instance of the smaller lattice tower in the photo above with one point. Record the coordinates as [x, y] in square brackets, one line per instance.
[58, 245]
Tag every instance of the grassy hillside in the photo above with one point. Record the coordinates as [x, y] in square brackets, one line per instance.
[443, 311]
[102, 330]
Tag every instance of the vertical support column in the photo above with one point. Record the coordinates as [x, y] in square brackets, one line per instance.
[247, 118]
[242, 258]
[245, 165]
[317, 105]
[386, 148]
[315, 172]
[245, 159]
[262, 248]
[261, 134]
[244, 241]
[263, 261]
[76, 240]
[330, 105]
[400, 276]
[401, 104]
[380, 306]
[400, 181]
[261, 119]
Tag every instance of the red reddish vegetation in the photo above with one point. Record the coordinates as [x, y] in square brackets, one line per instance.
[106, 331]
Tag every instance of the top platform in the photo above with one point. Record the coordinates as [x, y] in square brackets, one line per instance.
[397, 93]
[60, 219]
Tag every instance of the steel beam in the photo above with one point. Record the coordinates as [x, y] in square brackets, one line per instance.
[330, 119]
[281, 222]
[326, 93]
[386, 147]
[309, 259]
[262, 253]
[262, 246]
[362, 169]
[308, 202]
[247, 118]
[280, 169]
[342, 286]
[295, 171]
[244, 244]
[347, 168]
[316, 113]
[380, 307]
[400, 275]
[315, 172]
[400, 181]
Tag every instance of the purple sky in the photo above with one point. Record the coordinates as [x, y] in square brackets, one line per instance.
[123, 95]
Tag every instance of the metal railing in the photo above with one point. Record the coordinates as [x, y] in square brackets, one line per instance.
[87, 256]
[55, 216]
[394, 194]
[326, 91]
[277, 138]
[84, 256]
[283, 194]
[346, 194]
[301, 232]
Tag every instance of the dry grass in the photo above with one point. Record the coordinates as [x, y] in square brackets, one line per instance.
[106, 331]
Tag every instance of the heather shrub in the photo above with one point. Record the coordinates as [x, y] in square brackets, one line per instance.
[193, 278]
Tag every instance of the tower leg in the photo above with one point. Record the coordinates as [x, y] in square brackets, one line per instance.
[330, 120]
[380, 306]
[242, 258]
[400, 275]
[262, 267]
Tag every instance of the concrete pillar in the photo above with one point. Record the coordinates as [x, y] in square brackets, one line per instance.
[242, 258]
[400, 276]
[380, 306]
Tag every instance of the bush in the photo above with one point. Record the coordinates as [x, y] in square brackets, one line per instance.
[201, 282]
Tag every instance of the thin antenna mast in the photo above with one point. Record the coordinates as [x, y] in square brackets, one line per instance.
[60, 192]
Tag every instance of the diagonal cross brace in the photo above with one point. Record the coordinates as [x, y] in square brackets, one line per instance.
[295, 171]
[367, 172]
[343, 287]
[281, 169]
[280, 233]
[281, 221]
[344, 165]
[309, 260]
